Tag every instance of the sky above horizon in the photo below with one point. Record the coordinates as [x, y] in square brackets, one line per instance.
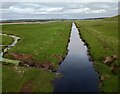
[58, 10]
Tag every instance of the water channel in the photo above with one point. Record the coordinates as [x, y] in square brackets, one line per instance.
[78, 73]
[15, 40]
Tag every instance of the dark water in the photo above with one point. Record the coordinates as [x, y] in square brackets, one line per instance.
[78, 72]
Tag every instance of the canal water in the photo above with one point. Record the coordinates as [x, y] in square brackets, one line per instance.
[78, 74]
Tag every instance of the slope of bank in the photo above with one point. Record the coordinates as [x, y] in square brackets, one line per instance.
[40, 49]
[101, 36]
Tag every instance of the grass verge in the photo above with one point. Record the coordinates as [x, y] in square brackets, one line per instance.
[15, 79]
[102, 39]
[40, 45]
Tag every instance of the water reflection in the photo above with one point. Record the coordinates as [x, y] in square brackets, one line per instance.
[78, 72]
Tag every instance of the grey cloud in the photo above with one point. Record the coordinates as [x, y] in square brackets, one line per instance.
[6, 5]
[58, 10]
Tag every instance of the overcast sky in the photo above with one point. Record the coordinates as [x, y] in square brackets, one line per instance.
[56, 10]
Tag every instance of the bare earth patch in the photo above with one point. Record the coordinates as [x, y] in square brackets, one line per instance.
[109, 61]
[27, 60]
[23, 57]
[27, 88]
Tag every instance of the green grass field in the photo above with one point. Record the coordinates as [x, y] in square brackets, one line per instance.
[16, 79]
[45, 44]
[5, 40]
[40, 43]
[102, 39]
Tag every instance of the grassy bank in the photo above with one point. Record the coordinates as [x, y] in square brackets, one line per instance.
[102, 39]
[22, 79]
[41, 45]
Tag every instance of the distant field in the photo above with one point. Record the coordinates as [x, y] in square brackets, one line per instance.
[102, 38]
[43, 44]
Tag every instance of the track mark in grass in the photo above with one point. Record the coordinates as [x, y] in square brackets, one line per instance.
[27, 87]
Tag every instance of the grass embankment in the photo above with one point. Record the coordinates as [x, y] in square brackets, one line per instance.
[102, 39]
[40, 44]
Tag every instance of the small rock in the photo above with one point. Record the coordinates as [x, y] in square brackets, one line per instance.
[115, 57]
[58, 75]
[108, 59]
[104, 77]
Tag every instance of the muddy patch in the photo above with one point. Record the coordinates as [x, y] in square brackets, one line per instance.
[23, 57]
[45, 65]
[109, 60]
[28, 61]
[27, 88]
[57, 56]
